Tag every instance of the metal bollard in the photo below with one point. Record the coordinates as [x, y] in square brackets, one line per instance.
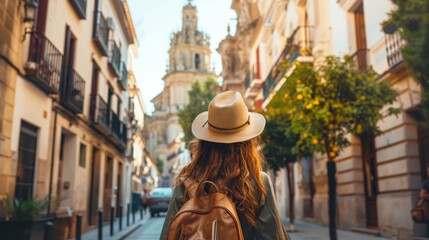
[120, 218]
[128, 214]
[47, 231]
[79, 226]
[100, 224]
[112, 212]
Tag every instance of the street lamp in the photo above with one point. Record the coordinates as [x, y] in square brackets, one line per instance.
[30, 10]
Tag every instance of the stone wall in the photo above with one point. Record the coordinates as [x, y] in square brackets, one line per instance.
[398, 163]
[11, 29]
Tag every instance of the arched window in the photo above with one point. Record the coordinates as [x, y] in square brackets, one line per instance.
[197, 61]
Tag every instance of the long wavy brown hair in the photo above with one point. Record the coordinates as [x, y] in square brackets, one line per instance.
[234, 167]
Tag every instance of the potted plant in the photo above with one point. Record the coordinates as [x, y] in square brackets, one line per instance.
[20, 217]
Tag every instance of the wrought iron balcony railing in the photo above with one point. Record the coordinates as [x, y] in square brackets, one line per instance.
[300, 43]
[124, 133]
[101, 33]
[43, 67]
[394, 44]
[360, 57]
[100, 114]
[115, 59]
[80, 7]
[115, 125]
[72, 90]
[123, 80]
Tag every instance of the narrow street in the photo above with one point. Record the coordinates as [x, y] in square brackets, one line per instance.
[150, 231]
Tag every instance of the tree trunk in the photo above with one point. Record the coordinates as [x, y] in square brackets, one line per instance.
[332, 199]
[332, 192]
[291, 185]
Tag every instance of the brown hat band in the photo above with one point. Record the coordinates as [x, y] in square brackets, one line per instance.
[228, 129]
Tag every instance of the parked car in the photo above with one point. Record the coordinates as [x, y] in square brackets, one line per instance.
[159, 200]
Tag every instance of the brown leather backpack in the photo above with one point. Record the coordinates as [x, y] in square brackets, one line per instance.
[211, 216]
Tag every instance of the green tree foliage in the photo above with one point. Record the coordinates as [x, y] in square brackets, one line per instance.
[412, 18]
[326, 103]
[200, 96]
[320, 106]
[278, 138]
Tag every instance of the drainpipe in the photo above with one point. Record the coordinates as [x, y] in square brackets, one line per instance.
[52, 160]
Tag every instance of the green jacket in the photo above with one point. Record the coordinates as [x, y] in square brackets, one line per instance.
[269, 225]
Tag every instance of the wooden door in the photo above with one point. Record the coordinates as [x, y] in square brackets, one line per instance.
[60, 169]
[108, 178]
[371, 181]
[94, 187]
[25, 169]
[42, 15]
[119, 189]
[360, 37]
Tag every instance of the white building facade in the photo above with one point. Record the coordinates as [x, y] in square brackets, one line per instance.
[378, 179]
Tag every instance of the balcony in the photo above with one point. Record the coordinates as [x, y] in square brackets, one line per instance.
[360, 58]
[80, 7]
[131, 113]
[72, 90]
[300, 43]
[123, 80]
[100, 114]
[115, 126]
[394, 44]
[124, 134]
[101, 33]
[43, 67]
[115, 59]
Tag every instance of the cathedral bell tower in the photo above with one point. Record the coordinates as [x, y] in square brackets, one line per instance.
[189, 61]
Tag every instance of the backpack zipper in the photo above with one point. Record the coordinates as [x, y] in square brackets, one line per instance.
[214, 230]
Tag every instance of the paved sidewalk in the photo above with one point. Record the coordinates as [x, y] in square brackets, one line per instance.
[310, 231]
[126, 230]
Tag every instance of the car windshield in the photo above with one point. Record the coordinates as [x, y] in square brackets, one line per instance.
[162, 192]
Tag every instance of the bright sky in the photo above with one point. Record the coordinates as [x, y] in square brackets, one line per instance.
[155, 20]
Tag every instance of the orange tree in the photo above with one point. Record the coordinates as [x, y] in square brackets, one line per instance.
[326, 103]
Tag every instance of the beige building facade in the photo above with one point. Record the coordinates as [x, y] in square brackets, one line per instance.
[11, 30]
[145, 173]
[189, 60]
[378, 179]
[67, 117]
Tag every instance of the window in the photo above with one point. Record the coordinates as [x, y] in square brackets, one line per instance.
[82, 155]
[257, 74]
[26, 161]
[197, 61]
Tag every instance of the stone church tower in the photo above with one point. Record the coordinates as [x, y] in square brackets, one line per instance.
[189, 60]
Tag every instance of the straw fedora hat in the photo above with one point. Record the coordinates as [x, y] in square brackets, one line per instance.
[227, 120]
